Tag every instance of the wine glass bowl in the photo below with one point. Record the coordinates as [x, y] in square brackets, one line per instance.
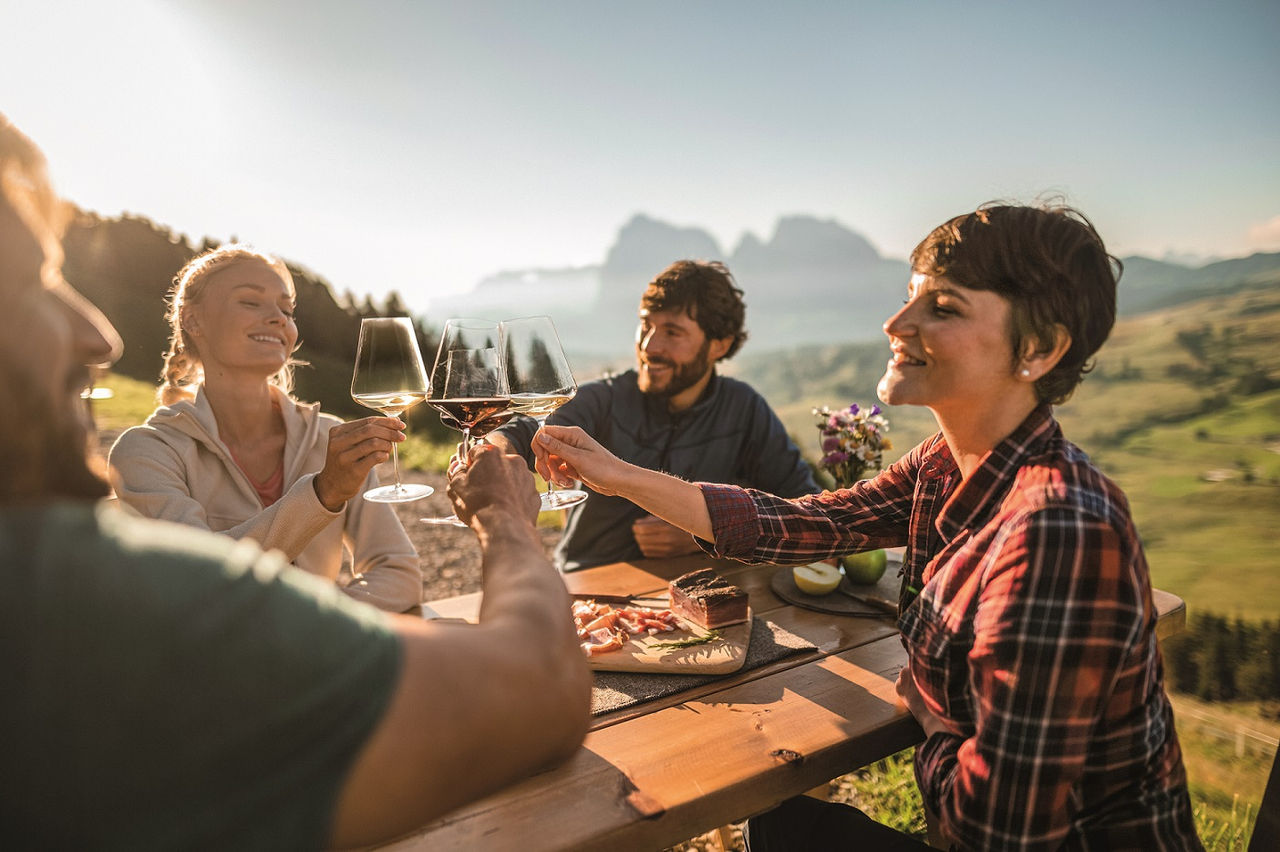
[540, 381]
[390, 378]
[469, 384]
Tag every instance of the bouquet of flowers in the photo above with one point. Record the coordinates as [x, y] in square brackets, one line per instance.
[853, 442]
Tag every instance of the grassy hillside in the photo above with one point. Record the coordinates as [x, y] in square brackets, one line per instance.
[1183, 411]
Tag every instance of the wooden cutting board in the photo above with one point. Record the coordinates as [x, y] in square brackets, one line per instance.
[719, 656]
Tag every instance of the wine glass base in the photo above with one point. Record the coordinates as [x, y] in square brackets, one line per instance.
[555, 500]
[402, 493]
[451, 521]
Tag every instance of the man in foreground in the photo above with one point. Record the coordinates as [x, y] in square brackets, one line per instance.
[675, 414]
[164, 688]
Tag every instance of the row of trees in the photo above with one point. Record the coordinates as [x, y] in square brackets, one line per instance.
[1221, 659]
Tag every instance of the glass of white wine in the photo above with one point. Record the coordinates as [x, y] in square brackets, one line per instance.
[540, 381]
[390, 378]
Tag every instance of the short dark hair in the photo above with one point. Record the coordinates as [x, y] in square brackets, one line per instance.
[1049, 262]
[704, 290]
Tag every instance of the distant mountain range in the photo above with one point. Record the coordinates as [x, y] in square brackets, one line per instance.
[814, 281]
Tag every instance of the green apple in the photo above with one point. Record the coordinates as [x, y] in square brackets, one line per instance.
[865, 568]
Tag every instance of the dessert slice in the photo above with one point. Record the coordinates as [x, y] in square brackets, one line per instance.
[708, 599]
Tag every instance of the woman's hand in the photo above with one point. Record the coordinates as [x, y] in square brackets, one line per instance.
[914, 702]
[563, 454]
[491, 479]
[354, 448]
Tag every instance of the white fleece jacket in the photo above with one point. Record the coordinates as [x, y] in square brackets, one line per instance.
[175, 468]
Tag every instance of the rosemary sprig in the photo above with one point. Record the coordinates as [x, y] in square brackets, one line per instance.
[688, 643]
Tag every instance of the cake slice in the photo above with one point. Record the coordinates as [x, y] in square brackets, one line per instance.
[708, 599]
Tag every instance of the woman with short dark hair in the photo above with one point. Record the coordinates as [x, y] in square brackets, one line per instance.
[1026, 606]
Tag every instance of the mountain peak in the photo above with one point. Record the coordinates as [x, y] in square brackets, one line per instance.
[820, 240]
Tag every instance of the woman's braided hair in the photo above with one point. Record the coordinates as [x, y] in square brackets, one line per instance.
[182, 369]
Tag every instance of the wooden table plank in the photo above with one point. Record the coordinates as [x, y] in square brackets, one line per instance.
[657, 773]
[1171, 613]
[666, 776]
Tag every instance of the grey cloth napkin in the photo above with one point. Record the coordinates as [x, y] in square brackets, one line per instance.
[615, 690]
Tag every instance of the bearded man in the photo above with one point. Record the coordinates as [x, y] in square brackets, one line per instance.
[672, 413]
[167, 688]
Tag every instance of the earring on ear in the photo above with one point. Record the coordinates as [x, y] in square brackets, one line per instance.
[1026, 373]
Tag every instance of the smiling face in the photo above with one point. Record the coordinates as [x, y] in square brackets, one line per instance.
[951, 350]
[243, 320]
[674, 356]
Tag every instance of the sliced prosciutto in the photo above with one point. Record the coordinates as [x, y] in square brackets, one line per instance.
[602, 628]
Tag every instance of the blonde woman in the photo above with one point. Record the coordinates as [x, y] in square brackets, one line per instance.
[230, 450]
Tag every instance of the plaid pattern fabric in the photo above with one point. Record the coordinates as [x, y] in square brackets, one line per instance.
[1027, 616]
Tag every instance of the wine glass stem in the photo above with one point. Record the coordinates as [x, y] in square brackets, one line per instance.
[395, 464]
[466, 445]
[542, 421]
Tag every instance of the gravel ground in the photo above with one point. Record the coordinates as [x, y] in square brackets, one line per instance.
[450, 555]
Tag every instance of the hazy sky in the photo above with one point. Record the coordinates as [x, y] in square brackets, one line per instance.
[418, 146]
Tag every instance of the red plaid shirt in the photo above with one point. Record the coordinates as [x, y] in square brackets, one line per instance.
[1027, 617]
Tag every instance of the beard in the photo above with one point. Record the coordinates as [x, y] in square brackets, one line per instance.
[683, 376]
[49, 452]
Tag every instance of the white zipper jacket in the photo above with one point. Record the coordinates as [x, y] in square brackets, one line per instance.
[175, 468]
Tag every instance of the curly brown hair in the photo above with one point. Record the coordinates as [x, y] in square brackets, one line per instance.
[704, 290]
[1052, 266]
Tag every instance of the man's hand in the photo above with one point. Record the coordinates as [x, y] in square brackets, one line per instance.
[914, 701]
[493, 480]
[563, 454]
[354, 448]
[658, 538]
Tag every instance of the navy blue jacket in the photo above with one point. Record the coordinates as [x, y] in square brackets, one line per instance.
[730, 435]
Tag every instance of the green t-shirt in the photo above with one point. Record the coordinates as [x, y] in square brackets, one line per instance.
[165, 688]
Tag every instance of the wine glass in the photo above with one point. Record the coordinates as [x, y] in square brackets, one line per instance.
[469, 384]
[541, 381]
[473, 389]
[389, 378]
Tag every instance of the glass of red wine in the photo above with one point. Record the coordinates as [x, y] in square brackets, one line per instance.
[469, 382]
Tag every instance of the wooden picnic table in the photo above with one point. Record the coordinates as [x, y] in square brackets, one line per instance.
[657, 773]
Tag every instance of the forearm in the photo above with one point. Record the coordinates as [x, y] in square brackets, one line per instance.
[519, 583]
[386, 566]
[676, 501]
[290, 523]
[526, 611]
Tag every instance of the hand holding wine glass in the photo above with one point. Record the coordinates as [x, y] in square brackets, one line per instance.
[390, 378]
[540, 381]
[474, 390]
[469, 384]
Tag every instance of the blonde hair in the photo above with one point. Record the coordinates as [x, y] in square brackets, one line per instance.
[182, 369]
